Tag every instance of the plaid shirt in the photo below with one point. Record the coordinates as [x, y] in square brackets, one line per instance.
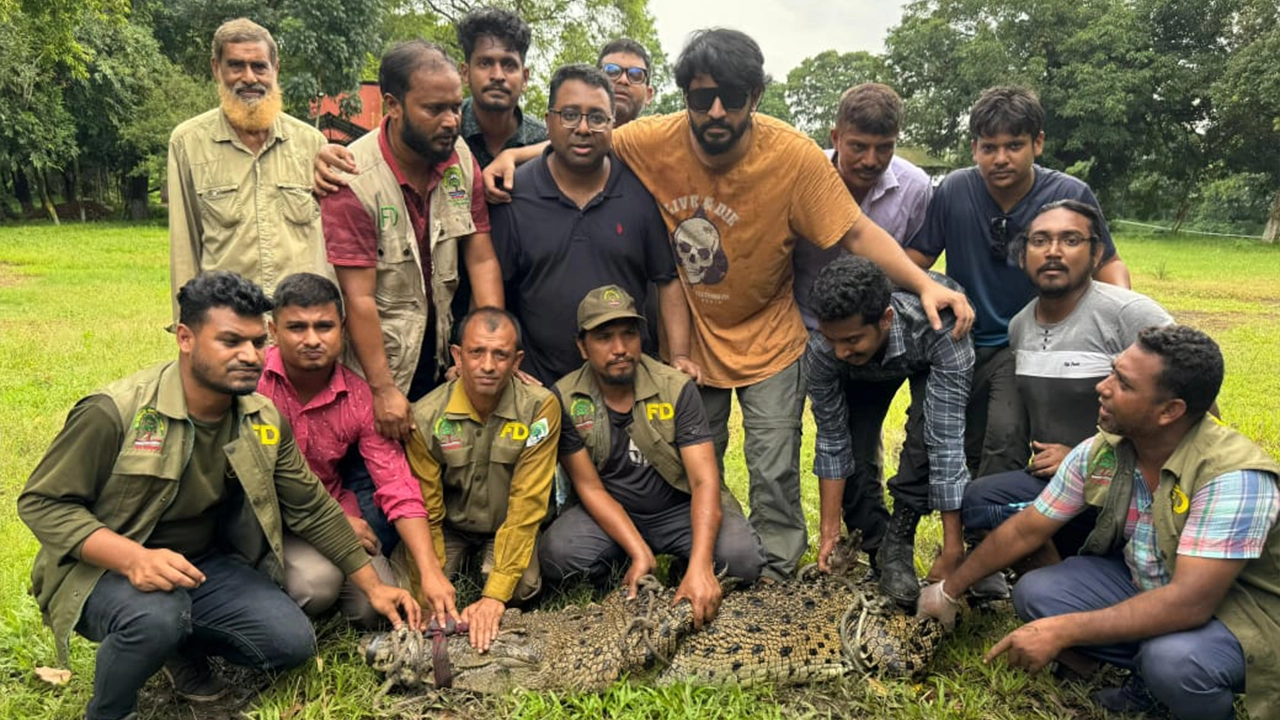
[528, 132]
[913, 348]
[1229, 517]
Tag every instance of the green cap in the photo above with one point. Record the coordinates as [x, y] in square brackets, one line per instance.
[606, 304]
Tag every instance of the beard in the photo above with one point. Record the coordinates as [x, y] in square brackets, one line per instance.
[251, 116]
[203, 373]
[720, 147]
[421, 143]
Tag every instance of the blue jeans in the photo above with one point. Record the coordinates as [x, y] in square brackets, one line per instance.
[1195, 673]
[237, 613]
[989, 501]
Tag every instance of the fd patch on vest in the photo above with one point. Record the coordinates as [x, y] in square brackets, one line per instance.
[515, 431]
[267, 434]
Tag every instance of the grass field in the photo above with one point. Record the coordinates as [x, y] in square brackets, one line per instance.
[80, 306]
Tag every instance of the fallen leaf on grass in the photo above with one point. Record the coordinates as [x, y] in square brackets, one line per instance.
[293, 710]
[53, 676]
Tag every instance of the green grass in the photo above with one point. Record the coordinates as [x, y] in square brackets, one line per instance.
[83, 305]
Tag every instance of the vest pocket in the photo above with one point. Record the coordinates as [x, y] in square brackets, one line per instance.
[218, 206]
[297, 204]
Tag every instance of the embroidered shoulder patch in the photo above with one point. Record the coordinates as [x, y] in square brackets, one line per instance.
[448, 434]
[583, 412]
[149, 429]
[1179, 501]
[1103, 468]
[454, 187]
[538, 432]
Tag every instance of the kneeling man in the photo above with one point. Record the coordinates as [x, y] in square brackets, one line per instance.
[1178, 580]
[484, 450]
[638, 448]
[161, 509]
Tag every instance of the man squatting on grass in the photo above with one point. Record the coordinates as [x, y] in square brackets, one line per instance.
[162, 508]
[1179, 580]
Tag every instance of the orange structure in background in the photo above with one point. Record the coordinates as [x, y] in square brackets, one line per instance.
[344, 130]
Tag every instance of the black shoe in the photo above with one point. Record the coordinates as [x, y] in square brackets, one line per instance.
[194, 680]
[1132, 697]
[896, 559]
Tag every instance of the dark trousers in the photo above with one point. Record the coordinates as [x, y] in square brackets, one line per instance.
[237, 613]
[997, 438]
[575, 546]
[1194, 672]
[863, 505]
[356, 478]
[991, 500]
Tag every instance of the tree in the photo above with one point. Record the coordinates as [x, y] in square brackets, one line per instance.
[1248, 98]
[814, 87]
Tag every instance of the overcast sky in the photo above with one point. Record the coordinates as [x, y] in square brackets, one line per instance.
[788, 30]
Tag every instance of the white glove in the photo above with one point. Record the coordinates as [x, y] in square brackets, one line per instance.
[936, 603]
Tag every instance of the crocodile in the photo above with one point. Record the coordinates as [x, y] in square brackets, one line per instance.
[815, 627]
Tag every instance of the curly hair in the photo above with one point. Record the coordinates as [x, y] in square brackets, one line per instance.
[219, 289]
[504, 26]
[1011, 109]
[730, 57]
[850, 286]
[1192, 364]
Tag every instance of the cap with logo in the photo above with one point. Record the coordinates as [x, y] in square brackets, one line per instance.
[606, 304]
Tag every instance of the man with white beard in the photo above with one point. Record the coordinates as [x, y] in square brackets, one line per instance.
[240, 174]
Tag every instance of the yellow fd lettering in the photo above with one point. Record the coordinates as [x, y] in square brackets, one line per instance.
[515, 431]
[662, 411]
[267, 434]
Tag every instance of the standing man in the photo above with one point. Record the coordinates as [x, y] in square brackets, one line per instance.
[866, 332]
[330, 410]
[974, 216]
[1177, 580]
[1064, 342]
[161, 510]
[894, 194]
[485, 452]
[239, 175]
[581, 220]
[638, 449]
[494, 45]
[396, 233]
[626, 63]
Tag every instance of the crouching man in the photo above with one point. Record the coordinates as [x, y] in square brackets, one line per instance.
[330, 409]
[484, 450]
[161, 509]
[1178, 580]
[638, 447]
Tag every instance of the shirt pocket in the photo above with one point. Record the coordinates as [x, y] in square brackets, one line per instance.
[218, 207]
[138, 478]
[297, 204]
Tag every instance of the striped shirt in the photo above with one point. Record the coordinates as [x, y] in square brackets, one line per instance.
[1228, 519]
[913, 349]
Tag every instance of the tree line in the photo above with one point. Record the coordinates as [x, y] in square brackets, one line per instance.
[1170, 109]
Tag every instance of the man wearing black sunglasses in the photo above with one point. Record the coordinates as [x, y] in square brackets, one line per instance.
[626, 63]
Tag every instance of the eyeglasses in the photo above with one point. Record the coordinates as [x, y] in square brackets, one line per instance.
[597, 120]
[1042, 241]
[731, 98]
[636, 75]
[998, 234]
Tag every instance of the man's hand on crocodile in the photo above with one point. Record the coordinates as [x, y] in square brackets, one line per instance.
[640, 566]
[483, 616]
[440, 597]
[702, 590]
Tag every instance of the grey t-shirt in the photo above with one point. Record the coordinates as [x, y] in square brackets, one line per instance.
[626, 474]
[1058, 365]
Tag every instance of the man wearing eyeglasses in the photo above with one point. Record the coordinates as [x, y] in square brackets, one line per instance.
[626, 63]
[580, 220]
[974, 216]
[1064, 342]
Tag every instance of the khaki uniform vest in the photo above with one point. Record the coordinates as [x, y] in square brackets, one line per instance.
[653, 419]
[401, 295]
[1251, 609]
[477, 462]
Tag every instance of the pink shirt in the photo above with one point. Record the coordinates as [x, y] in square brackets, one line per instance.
[339, 416]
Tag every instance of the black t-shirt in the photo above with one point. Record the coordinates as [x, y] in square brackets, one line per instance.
[553, 253]
[627, 475]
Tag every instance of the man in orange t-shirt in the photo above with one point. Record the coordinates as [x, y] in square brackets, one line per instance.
[738, 191]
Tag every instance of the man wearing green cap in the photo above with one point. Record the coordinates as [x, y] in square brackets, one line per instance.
[637, 445]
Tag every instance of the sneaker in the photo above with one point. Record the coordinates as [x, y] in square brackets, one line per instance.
[991, 587]
[194, 680]
[1132, 697]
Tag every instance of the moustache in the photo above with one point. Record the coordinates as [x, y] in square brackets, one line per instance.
[502, 88]
[1048, 267]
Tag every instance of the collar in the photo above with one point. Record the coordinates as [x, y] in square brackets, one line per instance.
[897, 345]
[471, 125]
[336, 387]
[437, 170]
[171, 398]
[544, 184]
[887, 182]
[459, 404]
[223, 132]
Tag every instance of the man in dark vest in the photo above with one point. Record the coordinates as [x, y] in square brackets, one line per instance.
[1180, 579]
[637, 445]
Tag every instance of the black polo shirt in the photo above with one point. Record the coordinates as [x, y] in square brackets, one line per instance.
[553, 253]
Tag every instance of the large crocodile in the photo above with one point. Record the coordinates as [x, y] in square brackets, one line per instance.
[816, 627]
